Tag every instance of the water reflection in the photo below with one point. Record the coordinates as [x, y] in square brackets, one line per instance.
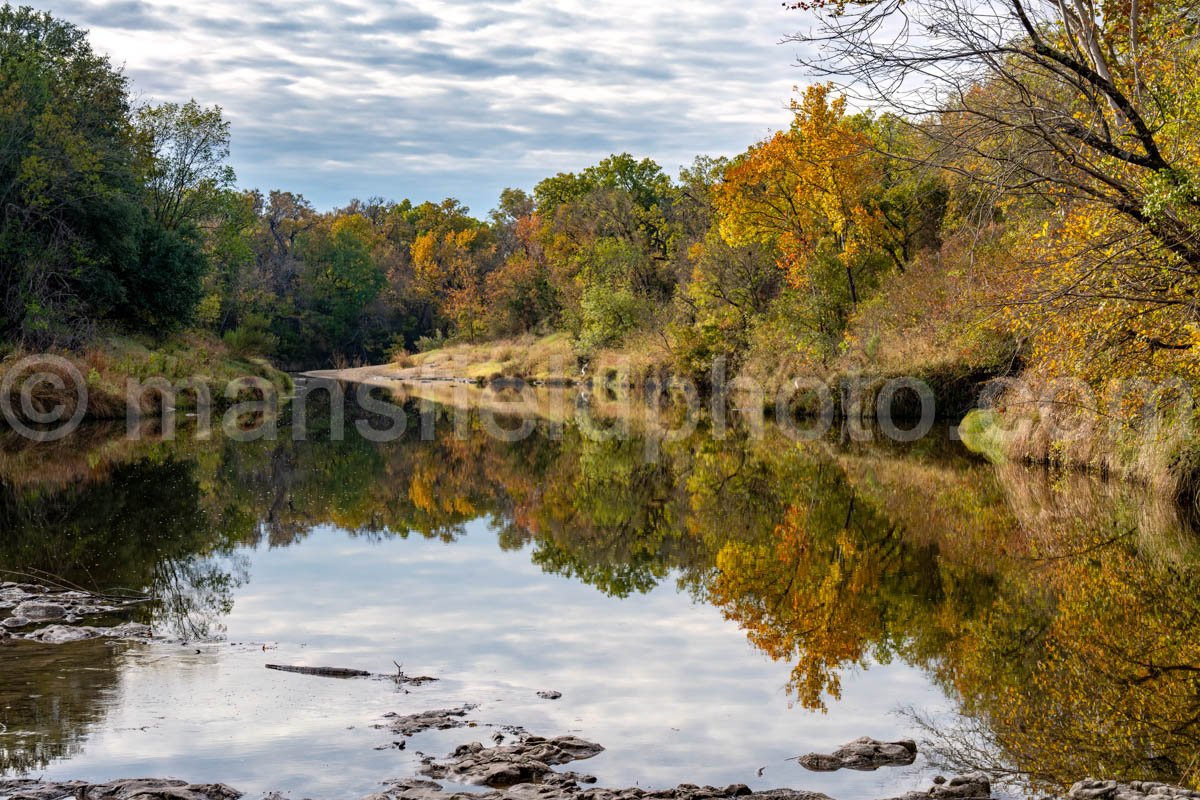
[1059, 613]
[51, 698]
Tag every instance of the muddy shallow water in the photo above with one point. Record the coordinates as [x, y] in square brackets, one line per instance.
[708, 612]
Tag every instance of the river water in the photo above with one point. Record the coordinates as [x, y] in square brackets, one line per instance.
[709, 606]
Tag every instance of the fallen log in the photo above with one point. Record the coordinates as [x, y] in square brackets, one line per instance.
[322, 672]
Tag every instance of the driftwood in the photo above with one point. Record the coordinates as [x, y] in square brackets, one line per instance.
[322, 672]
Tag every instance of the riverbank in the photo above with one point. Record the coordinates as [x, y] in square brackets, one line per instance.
[102, 372]
[1032, 423]
[853, 390]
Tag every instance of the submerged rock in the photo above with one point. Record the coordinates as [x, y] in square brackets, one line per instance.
[37, 611]
[863, 754]
[28, 605]
[442, 720]
[62, 634]
[527, 761]
[117, 790]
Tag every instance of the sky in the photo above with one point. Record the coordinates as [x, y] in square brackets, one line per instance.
[434, 99]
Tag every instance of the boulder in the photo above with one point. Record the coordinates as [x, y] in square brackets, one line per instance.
[976, 786]
[1092, 789]
[863, 754]
[528, 761]
[117, 790]
[442, 720]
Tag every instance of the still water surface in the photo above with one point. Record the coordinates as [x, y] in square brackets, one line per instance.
[707, 611]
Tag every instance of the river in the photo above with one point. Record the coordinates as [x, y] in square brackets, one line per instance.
[709, 605]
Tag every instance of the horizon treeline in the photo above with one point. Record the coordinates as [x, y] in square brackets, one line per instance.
[1039, 211]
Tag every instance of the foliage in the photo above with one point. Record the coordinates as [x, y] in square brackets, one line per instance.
[182, 151]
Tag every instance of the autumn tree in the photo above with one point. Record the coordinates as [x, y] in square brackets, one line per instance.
[521, 293]
[805, 192]
[448, 271]
[1088, 107]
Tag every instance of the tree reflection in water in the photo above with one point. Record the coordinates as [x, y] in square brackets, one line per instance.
[1062, 613]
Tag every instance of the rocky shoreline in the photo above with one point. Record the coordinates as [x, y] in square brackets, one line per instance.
[556, 786]
[516, 766]
[524, 769]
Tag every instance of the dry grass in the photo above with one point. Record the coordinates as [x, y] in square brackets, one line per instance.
[552, 359]
[644, 356]
[1159, 453]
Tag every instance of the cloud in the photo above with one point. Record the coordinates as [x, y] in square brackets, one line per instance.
[445, 98]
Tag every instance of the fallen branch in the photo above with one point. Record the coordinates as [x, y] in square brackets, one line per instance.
[322, 672]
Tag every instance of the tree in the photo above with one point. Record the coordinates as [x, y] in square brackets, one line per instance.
[182, 151]
[163, 284]
[521, 292]
[230, 286]
[340, 279]
[1088, 108]
[805, 193]
[69, 215]
[448, 275]
[729, 291]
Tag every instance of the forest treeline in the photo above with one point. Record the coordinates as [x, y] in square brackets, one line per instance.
[1021, 194]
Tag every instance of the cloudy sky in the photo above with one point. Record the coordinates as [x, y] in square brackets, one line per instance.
[436, 98]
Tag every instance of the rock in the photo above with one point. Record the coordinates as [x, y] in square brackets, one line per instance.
[419, 680]
[967, 787]
[62, 634]
[117, 790]
[863, 754]
[38, 611]
[32, 605]
[550, 695]
[566, 786]
[442, 720]
[1137, 790]
[528, 761]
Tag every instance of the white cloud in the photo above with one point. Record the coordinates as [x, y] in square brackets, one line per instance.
[430, 99]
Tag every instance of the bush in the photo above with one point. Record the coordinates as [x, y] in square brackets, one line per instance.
[252, 338]
[427, 344]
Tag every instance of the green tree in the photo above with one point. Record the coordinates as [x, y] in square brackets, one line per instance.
[69, 215]
[182, 151]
